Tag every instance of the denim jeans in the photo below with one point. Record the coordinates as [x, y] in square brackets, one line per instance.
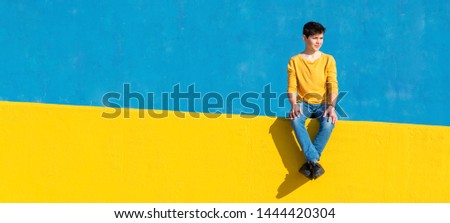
[312, 150]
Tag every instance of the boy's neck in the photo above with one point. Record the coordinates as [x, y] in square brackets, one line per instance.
[311, 56]
[311, 52]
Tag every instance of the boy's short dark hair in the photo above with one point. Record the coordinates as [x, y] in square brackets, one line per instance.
[313, 28]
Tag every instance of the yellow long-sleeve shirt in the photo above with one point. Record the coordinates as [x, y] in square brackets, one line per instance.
[312, 80]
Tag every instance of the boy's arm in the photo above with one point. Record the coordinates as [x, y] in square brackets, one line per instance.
[332, 91]
[331, 100]
[292, 77]
[292, 91]
[295, 109]
[332, 83]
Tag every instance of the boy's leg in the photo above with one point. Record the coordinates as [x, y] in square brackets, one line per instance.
[302, 135]
[324, 133]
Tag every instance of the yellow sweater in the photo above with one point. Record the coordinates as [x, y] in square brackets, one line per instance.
[312, 80]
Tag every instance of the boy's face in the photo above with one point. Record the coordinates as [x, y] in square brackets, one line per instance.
[313, 42]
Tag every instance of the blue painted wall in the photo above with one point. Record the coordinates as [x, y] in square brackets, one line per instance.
[392, 56]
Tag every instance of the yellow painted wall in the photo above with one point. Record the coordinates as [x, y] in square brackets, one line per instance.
[56, 153]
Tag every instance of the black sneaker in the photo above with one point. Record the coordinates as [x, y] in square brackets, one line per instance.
[317, 170]
[306, 170]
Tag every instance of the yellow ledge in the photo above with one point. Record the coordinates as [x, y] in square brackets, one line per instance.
[57, 153]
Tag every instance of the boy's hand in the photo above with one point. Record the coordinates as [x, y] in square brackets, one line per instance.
[295, 112]
[331, 113]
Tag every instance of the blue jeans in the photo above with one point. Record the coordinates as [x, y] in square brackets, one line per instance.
[312, 150]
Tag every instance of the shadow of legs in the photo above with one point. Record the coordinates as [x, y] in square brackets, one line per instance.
[290, 154]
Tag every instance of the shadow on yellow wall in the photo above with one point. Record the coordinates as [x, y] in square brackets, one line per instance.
[290, 153]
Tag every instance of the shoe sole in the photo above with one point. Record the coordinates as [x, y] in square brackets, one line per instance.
[315, 177]
[309, 176]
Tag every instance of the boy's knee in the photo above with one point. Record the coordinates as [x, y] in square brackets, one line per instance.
[327, 124]
[299, 120]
